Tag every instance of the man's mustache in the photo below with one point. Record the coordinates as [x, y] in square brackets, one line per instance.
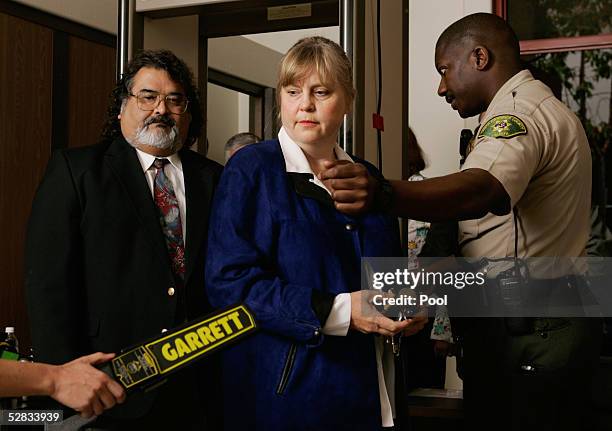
[163, 119]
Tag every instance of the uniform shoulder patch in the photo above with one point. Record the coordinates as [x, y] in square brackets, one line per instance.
[503, 126]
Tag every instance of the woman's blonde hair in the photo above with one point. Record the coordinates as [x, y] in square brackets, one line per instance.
[318, 54]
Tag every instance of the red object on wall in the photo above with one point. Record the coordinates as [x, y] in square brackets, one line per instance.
[378, 122]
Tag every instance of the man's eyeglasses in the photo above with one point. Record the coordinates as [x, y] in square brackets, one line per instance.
[149, 100]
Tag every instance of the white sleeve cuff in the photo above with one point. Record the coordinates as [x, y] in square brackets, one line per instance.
[339, 318]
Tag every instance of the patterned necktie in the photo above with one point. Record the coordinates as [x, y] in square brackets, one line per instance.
[169, 219]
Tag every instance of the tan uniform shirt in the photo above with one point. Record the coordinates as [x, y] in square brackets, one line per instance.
[546, 173]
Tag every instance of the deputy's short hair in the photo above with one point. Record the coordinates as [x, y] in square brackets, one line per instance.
[482, 28]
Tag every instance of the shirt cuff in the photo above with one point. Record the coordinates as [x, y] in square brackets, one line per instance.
[339, 318]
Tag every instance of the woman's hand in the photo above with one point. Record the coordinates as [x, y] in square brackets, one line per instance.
[365, 318]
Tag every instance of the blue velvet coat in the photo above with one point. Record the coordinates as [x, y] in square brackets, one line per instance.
[275, 238]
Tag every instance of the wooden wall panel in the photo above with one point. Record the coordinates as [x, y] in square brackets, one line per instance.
[25, 145]
[91, 77]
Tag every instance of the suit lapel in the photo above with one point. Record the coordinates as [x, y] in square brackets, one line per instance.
[123, 161]
[199, 183]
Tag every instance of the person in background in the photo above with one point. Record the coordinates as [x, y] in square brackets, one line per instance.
[239, 141]
[277, 243]
[76, 384]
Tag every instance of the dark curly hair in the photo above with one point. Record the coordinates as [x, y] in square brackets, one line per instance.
[178, 71]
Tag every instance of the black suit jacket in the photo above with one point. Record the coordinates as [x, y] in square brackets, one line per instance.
[97, 267]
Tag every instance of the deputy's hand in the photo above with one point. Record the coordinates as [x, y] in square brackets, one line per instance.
[352, 187]
[365, 318]
[84, 388]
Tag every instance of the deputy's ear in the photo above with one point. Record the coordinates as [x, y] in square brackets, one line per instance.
[480, 57]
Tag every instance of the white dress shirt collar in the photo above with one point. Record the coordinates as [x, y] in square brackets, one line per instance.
[146, 160]
[296, 161]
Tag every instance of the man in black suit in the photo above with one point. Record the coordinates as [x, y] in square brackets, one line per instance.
[115, 248]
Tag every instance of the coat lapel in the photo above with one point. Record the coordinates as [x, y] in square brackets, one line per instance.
[199, 184]
[123, 161]
[303, 187]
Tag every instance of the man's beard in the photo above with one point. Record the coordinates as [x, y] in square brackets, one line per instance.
[158, 137]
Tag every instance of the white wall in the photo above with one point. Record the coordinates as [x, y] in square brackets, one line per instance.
[244, 58]
[228, 114]
[179, 35]
[436, 126]
[228, 111]
[223, 120]
[281, 41]
[243, 112]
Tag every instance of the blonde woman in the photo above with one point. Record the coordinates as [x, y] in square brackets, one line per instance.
[278, 243]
